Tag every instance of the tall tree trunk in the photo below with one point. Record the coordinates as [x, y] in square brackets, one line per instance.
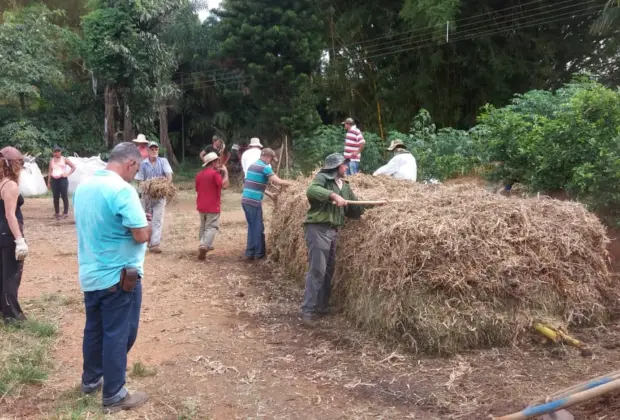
[22, 101]
[110, 115]
[128, 134]
[163, 133]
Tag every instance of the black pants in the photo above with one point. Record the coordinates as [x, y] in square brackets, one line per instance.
[11, 271]
[60, 188]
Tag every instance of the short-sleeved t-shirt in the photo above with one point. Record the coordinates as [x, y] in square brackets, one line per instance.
[149, 170]
[106, 208]
[256, 183]
[209, 191]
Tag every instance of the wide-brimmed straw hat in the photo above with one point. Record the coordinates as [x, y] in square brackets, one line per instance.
[396, 143]
[209, 157]
[141, 139]
[255, 142]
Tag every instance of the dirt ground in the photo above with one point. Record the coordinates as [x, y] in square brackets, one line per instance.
[222, 340]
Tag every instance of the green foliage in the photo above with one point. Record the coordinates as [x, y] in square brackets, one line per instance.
[567, 140]
[29, 52]
[276, 45]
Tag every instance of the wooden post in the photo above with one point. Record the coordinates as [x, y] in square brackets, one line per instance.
[286, 151]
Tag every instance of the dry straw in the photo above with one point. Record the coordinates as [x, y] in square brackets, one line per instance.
[456, 268]
[157, 188]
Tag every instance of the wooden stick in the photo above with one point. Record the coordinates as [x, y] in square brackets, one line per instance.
[279, 160]
[565, 402]
[286, 151]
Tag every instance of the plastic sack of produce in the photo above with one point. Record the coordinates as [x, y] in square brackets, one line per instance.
[31, 181]
[85, 167]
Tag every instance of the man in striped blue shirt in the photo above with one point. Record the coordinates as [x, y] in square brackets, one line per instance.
[258, 176]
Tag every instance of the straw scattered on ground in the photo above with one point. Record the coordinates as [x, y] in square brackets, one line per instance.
[158, 188]
[456, 268]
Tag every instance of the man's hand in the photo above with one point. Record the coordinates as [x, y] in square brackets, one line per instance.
[149, 217]
[338, 200]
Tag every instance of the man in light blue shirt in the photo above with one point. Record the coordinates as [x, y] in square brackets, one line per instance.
[112, 231]
[155, 167]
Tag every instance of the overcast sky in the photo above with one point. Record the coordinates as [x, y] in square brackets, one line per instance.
[213, 4]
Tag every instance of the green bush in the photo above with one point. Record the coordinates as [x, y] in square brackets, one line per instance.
[567, 140]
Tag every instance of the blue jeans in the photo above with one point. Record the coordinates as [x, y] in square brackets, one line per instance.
[112, 318]
[353, 168]
[256, 231]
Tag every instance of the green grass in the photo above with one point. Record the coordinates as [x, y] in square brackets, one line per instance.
[24, 353]
[77, 405]
[140, 370]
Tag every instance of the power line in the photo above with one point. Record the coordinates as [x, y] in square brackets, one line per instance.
[383, 46]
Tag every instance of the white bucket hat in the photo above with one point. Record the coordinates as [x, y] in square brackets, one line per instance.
[209, 157]
[141, 139]
[255, 142]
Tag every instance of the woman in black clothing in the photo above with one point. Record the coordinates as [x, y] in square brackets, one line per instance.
[13, 247]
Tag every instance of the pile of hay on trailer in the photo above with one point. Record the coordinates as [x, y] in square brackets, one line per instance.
[452, 268]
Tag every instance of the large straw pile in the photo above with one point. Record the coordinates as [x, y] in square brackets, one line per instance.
[456, 268]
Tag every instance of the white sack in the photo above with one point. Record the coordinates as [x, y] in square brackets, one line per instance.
[31, 181]
[84, 169]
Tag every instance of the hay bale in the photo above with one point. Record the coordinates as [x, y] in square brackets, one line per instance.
[457, 267]
[158, 188]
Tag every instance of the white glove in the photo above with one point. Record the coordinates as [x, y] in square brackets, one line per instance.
[21, 249]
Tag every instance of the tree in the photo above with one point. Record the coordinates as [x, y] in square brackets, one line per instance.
[30, 46]
[277, 47]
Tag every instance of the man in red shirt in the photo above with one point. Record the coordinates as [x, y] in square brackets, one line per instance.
[209, 184]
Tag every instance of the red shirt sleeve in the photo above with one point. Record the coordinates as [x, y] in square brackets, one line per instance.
[218, 179]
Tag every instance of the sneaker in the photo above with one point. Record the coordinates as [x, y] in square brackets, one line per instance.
[130, 401]
[202, 253]
[57, 216]
[155, 249]
[65, 216]
[90, 388]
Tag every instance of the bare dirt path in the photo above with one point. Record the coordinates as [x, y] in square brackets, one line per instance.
[221, 340]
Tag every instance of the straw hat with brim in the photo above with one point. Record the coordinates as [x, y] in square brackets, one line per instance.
[11, 153]
[141, 139]
[255, 142]
[333, 161]
[153, 144]
[209, 157]
[396, 143]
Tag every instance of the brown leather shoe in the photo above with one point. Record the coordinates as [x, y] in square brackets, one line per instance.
[155, 249]
[129, 402]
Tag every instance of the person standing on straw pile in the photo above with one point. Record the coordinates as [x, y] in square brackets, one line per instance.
[402, 165]
[209, 184]
[259, 175]
[112, 230]
[13, 247]
[328, 194]
[353, 145]
[155, 167]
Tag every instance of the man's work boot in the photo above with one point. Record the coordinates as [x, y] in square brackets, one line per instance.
[155, 249]
[309, 318]
[202, 253]
[90, 388]
[129, 402]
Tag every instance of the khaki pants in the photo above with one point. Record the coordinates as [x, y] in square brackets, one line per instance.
[209, 225]
[157, 209]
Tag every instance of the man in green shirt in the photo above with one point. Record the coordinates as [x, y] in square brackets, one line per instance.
[328, 194]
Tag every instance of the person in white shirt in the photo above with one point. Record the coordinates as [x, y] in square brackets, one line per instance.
[402, 165]
[251, 155]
